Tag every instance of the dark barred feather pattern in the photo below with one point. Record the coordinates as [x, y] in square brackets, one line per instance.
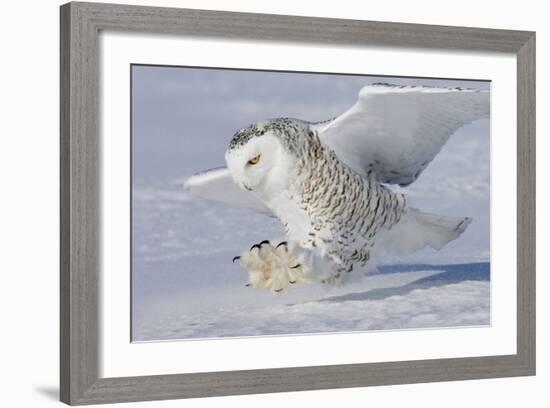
[346, 210]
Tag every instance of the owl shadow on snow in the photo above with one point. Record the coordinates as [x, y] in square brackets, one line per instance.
[449, 274]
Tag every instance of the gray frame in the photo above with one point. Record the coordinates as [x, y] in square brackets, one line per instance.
[80, 158]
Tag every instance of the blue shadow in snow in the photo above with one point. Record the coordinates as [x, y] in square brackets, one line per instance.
[455, 273]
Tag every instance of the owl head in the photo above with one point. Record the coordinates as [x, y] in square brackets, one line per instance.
[261, 157]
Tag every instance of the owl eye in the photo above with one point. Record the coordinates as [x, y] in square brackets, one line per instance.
[254, 160]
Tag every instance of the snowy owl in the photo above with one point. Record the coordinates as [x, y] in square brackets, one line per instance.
[328, 182]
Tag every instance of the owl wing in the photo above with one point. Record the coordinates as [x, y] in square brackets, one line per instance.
[217, 185]
[396, 131]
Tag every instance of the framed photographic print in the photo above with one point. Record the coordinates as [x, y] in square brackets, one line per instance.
[260, 203]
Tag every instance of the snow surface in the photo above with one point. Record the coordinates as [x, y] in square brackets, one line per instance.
[184, 285]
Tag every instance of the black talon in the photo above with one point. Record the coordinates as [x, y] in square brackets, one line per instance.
[247, 285]
[277, 290]
[235, 258]
[292, 282]
[282, 243]
[295, 266]
[259, 245]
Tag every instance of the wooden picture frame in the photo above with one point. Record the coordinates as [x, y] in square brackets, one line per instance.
[81, 24]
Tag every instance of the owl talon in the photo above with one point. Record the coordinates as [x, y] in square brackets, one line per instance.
[275, 269]
[259, 244]
[235, 258]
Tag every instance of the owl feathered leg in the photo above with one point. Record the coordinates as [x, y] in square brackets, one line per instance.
[276, 264]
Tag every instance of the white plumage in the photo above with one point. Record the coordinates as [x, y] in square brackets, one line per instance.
[326, 182]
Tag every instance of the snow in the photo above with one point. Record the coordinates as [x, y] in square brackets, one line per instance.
[398, 301]
[184, 285]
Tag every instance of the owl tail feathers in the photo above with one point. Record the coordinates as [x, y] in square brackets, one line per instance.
[438, 230]
[417, 230]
